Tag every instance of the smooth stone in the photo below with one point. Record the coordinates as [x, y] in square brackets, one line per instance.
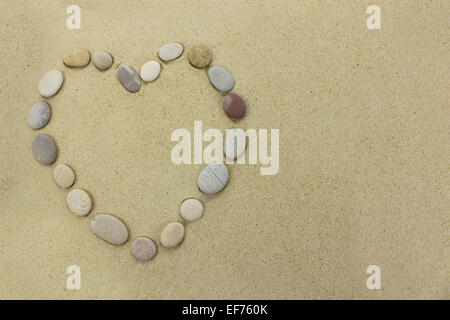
[102, 60]
[44, 149]
[64, 176]
[79, 202]
[220, 78]
[110, 229]
[234, 106]
[50, 83]
[171, 51]
[199, 56]
[213, 178]
[191, 209]
[235, 143]
[39, 115]
[150, 70]
[77, 58]
[143, 248]
[172, 235]
[129, 78]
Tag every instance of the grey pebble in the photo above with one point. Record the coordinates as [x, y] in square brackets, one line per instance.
[213, 178]
[129, 78]
[44, 149]
[102, 60]
[143, 248]
[110, 229]
[220, 78]
[39, 115]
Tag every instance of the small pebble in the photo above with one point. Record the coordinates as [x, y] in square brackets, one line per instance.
[129, 78]
[77, 58]
[220, 78]
[50, 83]
[110, 229]
[191, 209]
[213, 178]
[234, 106]
[39, 115]
[102, 60]
[172, 235]
[64, 176]
[44, 149]
[171, 51]
[199, 56]
[150, 70]
[143, 248]
[235, 143]
[79, 202]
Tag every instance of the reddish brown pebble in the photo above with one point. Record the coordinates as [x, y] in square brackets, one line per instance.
[234, 106]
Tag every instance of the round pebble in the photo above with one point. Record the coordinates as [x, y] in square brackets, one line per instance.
[150, 70]
[39, 115]
[213, 178]
[235, 143]
[172, 235]
[199, 56]
[44, 149]
[102, 60]
[234, 106]
[129, 78]
[143, 248]
[50, 83]
[220, 78]
[191, 209]
[79, 202]
[171, 51]
[77, 58]
[110, 229]
[64, 176]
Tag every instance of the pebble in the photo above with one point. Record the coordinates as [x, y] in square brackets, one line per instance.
[235, 143]
[220, 78]
[44, 149]
[102, 60]
[199, 56]
[110, 229]
[171, 51]
[79, 202]
[77, 58]
[191, 209]
[50, 83]
[213, 178]
[172, 235]
[64, 176]
[150, 70]
[39, 115]
[143, 248]
[234, 106]
[129, 78]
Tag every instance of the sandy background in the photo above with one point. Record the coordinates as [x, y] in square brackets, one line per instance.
[363, 118]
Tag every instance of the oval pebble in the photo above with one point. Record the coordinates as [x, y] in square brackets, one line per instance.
[129, 78]
[234, 106]
[50, 83]
[77, 58]
[39, 115]
[102, 60]
[150, 70]
[235, 143]
[64, 176]
[172, 235]
[143, 248]
[79, 202]
[44, 149]
[213, 178]
[191, 209]
[220, 78]
[110, 229]
[199, 56]
[171, 51]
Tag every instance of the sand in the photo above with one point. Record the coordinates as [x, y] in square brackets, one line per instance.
[363, 118]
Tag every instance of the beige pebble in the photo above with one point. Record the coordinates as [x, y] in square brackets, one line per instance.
[79, 202]
[64, 176]
[77, 58]
[143, 248]
[191, 209]
[102, 60]
[172, 235]
[199, 56]
[110, 229]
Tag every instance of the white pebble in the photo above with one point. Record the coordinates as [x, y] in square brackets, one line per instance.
[150, 70]
[79, 202]
[213, 178]
[235, 143]
[50, 83]
[191, 209]
[171, 51]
